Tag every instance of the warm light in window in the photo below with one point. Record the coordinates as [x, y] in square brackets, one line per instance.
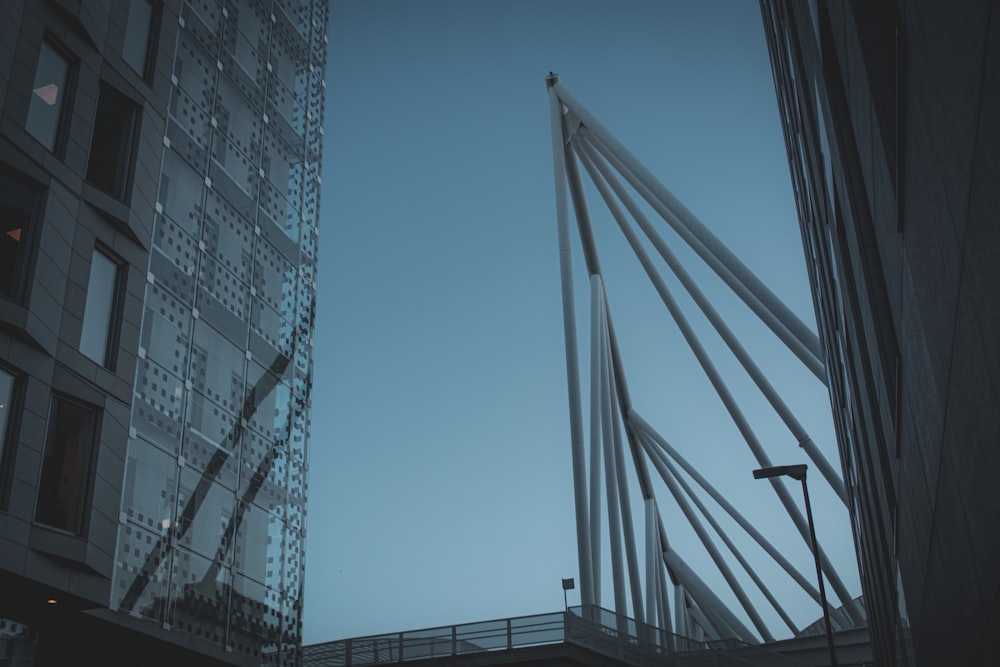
[52, 601]
[15, 234]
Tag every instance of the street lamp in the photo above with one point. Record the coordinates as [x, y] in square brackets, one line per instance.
[568, 585]
[799, 472]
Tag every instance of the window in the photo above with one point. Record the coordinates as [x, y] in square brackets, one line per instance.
[64, 487]
[97, 338]
[7, 386]
[48, 97]
[18, 203]
[111, 145]
[139, 36]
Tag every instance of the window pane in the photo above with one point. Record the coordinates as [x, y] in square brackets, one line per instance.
[17, 207]
[97, 313]
[6, 396]
[47, 95]
[137, 30]
[111, 143]
[63, 487]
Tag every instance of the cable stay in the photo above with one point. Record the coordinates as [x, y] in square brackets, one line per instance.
[600, 468]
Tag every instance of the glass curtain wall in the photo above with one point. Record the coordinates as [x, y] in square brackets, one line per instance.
[213, 513]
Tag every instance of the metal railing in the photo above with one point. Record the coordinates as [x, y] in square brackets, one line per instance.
[595, 628]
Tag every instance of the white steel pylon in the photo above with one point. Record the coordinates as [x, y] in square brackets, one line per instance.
[578, 138]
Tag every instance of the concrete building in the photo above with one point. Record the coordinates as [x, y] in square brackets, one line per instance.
[159, 180]
[889, 111]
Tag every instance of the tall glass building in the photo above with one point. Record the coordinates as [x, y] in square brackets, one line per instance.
[159, 179]
[213, 505]
[889, 112]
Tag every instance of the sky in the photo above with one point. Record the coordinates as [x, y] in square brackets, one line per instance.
[440, 469]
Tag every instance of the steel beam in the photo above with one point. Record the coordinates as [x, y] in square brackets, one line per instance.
[611, 482]
[709, 244]
[663, 464]
[727, 335]
[597, 431]
[712, 549]
[723, 619]
[728, 400]
[655, 437]
[569, 332]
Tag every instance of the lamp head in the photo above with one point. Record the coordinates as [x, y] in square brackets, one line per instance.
[795, 472]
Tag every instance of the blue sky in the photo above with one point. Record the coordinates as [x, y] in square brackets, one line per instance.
[440, 479]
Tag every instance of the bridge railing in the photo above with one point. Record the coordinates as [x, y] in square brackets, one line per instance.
[592, 627]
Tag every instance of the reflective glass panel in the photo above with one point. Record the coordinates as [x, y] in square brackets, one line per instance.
[47, 95]
[95, 338]
[137, 34]
[143, 568]
[150, 492]
[204, 512]
[6, 396]
[199, 596]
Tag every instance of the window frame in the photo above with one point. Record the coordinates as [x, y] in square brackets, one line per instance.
[9, 433]
[19, 294]
[120, 188]
[65, 109]
[152, 38]
[117, 304]
[77, 524]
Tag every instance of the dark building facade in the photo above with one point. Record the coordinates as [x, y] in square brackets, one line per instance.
[890, 115]
[159, 192]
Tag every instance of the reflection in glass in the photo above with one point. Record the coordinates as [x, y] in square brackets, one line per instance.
[217, 368]
[6, 396]
[138, 550]
[150, 489]
[48, 93]
[95, 337]
[202, 531]
[138, 31]
[202, 454]
[181, 197]
[213, 426]
[62, 489]
[199, 596]
[226, 357]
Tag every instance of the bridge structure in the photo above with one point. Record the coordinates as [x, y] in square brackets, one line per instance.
[662, 611]
[652, 582]
[575, 637]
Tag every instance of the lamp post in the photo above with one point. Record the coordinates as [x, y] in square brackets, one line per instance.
[799, 472]
[568, 585]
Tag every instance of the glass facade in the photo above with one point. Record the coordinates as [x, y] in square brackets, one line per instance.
[211, 533]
